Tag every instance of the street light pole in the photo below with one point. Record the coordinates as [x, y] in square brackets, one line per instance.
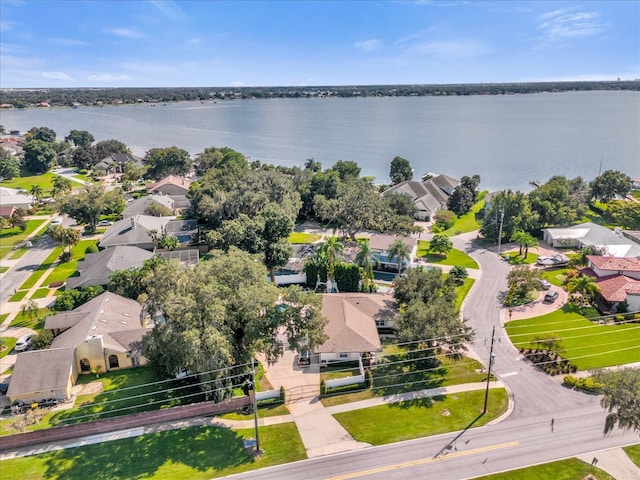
[255, 406]
[486, 393]
[500, 230]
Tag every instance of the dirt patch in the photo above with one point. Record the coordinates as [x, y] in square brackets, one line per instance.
[88, 388]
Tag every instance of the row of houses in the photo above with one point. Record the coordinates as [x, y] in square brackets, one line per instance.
[616, 271]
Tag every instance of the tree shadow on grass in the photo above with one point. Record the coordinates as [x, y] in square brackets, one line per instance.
[199, 448]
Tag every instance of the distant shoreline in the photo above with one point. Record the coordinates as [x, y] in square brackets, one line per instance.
[22, 98]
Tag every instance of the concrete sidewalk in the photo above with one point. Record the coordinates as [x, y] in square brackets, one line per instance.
[615, 462]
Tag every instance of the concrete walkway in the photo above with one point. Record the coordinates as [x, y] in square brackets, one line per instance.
[615, 462]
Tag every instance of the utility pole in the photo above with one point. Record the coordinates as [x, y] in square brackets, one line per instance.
[255, 406]
[486, 393]
[500, 231]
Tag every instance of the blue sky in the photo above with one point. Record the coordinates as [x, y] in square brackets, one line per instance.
[266, 43]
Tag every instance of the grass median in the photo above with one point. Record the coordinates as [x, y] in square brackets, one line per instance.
[194, 453]
[401, 421]
[453, 258]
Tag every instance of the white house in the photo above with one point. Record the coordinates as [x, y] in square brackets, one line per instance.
[379, 245]
[612, 242]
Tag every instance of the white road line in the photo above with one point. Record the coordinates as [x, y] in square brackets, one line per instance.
[508, 374]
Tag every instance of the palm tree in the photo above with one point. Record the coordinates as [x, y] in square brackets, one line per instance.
[30, 309]
[525, 241]
[332, 250]
[363, 259]
[400, 251]
[583, 284]
[36, 191]
[60, 185]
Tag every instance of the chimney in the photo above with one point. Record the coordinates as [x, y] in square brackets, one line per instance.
[133, 222]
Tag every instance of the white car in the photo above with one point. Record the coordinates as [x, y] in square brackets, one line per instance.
[23, 343]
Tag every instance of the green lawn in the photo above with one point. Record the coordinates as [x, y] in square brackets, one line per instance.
[467, 222]
[422, 418]
[514, 258]
[453, 258]
[10, 237]
[18, 253]
[633, 452]
[44, 266]
[555, 276]
[570, 469]
[22, 320]
[193, 453]
[18, 296]
[25, 183]
[392, 375]
[304, 238]
[585, 343]
[3, 269]
[40, 293]
[65, 270]
[3, 317]
[9, 344]
[462, 291]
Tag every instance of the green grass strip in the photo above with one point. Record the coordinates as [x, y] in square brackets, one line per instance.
[422, 418]
[304, 238]
[9, 343]
[633, 452]
[18, 296]
[195, 453]
[44, 266]
[453, 258]
[41, 293]
[570, 469]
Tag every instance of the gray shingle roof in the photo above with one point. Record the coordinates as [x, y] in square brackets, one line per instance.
[133, 231]
[139, 206]
[106, 314]
[41, 370]
[96, 268]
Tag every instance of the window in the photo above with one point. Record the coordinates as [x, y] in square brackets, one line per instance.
[113, 361]
[85, 366]
[344, 355]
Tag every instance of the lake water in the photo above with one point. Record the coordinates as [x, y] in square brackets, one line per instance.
[507, 140]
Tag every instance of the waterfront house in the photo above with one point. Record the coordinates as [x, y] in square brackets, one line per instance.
[429, 195]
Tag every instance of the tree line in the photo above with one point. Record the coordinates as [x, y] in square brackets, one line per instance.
[23, 98]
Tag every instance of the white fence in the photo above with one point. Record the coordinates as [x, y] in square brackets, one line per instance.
[267, 394]
[341, 382]
[299, 278]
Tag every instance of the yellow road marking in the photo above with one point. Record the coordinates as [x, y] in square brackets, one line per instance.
[424, 461]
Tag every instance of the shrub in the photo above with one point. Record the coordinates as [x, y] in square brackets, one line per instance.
[283, 395]
[42, 340]
[323, 388]
[93, 248]
[66, 257]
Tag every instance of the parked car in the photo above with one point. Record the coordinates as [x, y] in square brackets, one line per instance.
[545, 284]
[3, 388]
[304, 359]
[23, 343]
[550, 296]
[105, 223]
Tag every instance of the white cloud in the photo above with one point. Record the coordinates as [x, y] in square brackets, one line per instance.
[448, 48]
[170, 10]
[6, 25]
[368, 45]
[126, 32]
[566, 24]
[69, 42]
[108, 78]
[57, 76]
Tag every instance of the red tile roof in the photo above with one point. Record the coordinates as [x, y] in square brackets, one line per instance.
[617, 264]
[616, 287]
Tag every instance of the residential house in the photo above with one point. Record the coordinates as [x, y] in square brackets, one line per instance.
[105, 333]
[137, 231]
[10, 197]
[429, 195]
[618, 279]
[140, 205]
[96, 268]
[379, 245]
[43, 374]
[611, 242]
[170, 185]
[352, 324]
[7, 211]
[116, 163]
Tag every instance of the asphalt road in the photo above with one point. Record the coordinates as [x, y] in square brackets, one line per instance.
[457, 455]
[24, 267]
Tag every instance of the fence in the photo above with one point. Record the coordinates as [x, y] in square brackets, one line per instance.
[67, 432]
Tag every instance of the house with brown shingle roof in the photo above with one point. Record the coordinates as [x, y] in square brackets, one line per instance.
[352, 324]
[170, 185]
[379, 245]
